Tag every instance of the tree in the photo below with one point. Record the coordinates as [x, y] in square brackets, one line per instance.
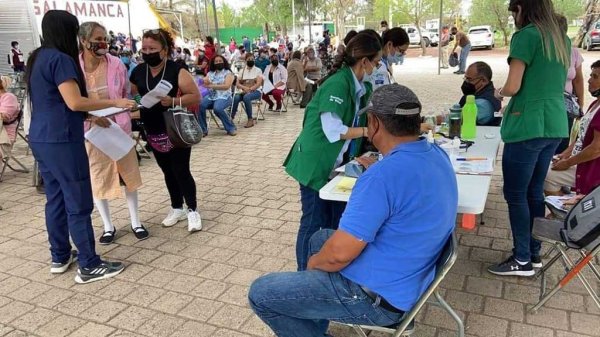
[591, 16]
[572, 9]
[417, 11]
[491, 12]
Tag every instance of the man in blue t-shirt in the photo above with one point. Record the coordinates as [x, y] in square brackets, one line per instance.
[382, 258]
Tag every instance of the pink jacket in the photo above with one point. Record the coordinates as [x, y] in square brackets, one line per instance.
[117, 88]
[9, 110]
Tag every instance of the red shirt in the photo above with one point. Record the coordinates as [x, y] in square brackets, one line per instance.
[588, 174]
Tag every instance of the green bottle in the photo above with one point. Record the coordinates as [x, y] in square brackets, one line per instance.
[469, 119]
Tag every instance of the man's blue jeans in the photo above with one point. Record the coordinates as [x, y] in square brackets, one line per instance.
[247, 99]
[464, 53]
[218, 107]
[316, 214]
[301, 304]
[524, 166]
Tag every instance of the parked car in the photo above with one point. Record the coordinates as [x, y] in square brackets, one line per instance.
[435, 37]
[481, 37]
[592, 37]
[429, 38]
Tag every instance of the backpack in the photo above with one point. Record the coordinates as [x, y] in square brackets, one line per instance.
[453, 59]
[582, 224]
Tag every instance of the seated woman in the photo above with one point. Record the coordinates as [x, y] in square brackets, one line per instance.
[579, 165]
[277, 76]
[9, 110]
[296, 83]
[218, 81]
[249, 82]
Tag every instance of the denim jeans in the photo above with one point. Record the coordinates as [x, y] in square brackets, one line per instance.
[218, 107]
[464, 53]
[316, 214]
[247, 99]
[301, 304]
[524, 166]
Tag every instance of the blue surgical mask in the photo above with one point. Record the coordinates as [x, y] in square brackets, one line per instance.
[395, 58]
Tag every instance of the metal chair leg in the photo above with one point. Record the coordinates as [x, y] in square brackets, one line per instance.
[448, 308]
[23, 168]
[359, 331]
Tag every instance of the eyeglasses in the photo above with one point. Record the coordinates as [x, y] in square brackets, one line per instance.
[471, 80]
[156, 32]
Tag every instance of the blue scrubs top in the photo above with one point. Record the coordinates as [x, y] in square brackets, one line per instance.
[51, 120]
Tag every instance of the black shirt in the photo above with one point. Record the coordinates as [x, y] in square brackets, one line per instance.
[153, 117]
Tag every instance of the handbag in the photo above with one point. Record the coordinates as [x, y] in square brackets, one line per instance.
[182, 126]
[453, 59]
[572, 106]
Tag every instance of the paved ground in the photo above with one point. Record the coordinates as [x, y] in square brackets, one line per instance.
[177, 284]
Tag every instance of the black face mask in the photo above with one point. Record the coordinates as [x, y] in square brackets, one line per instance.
[275, 63]
[468, 88]
[250, 64]
[98, 48]
[152, 59]
[596, 93]
[219, 66]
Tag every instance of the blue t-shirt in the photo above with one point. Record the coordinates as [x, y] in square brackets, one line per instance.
[404, 207]
[485, 111]
[51, 120]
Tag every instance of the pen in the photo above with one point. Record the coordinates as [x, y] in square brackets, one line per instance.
[470, 159]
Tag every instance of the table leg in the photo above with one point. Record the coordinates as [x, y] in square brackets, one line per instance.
[468, 221]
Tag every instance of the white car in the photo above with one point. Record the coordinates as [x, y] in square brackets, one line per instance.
[430, 39]
[482, 37]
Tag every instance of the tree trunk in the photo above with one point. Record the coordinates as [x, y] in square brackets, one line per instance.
[590, 18]
[505, 35]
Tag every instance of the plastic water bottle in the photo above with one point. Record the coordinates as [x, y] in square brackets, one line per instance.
[454, 121]
[469, 119]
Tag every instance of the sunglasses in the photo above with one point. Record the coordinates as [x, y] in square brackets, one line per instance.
[155, 32]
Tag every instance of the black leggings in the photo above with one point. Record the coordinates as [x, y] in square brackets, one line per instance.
[175, 165]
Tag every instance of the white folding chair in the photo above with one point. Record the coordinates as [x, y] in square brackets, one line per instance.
[406, 326]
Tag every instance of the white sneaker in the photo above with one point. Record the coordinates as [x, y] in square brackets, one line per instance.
[175, 215]
[194, 221]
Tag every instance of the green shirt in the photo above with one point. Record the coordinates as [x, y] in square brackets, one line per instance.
[312, 157]
[538, 109]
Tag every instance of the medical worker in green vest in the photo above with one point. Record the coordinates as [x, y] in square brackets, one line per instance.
[331, 135]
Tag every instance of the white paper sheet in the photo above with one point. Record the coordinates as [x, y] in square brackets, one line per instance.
[113, 141]
[559, 201]
[154, 96]
[267, 86]
[485, 167]
[106, 112]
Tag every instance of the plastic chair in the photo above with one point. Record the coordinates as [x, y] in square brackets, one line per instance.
[556, 233]
[443, 265]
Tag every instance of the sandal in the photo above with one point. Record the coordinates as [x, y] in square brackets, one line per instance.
[140, 232]
[107, 237]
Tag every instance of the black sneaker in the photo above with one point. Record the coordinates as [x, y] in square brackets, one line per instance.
[141, 233]
[107, 237]
[103, 271]
[59, 268]
[536, 262]
[512, 267]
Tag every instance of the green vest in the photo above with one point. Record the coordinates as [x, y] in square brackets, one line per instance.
[311, 159]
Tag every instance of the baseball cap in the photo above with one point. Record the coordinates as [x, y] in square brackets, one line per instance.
[392, 99]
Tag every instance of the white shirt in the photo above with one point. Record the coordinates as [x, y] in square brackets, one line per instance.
[332, 124]
[279, 75]
[249, 74]
[381, 76]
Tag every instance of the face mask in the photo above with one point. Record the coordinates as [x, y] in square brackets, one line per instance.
[152, 59]
[250, 64]
[596, 93]
[394, 58]
[125, 60]
[98, 48]
[372, 134]
[468, 88]
[219, 66]
[275, 63]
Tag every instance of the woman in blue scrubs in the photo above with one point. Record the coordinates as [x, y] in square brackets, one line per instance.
[58, 96]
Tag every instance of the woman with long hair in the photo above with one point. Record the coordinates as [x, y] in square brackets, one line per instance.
[106, 77]
[58, 97]
[534, 123]
[218, 81]
[157, 45]
[331, 135]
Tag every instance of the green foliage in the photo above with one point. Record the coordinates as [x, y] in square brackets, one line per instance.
[572, 9]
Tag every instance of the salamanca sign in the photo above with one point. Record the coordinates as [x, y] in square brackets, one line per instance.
[83, 9]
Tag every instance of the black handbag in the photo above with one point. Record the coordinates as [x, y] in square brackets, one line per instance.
[182, 126]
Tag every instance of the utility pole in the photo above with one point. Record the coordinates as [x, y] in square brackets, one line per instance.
[216, 26]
